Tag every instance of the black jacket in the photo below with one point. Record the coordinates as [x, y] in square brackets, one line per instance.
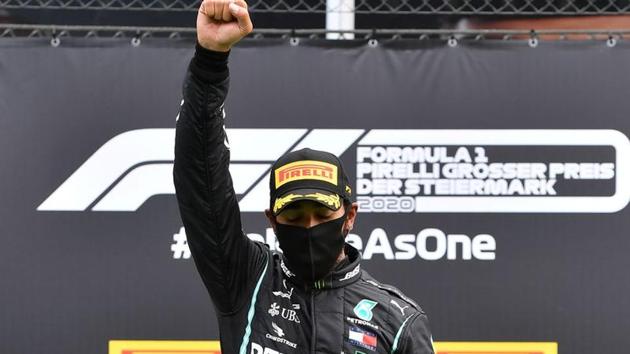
[261, 307]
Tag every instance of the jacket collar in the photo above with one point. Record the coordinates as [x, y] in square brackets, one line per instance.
[338, 278]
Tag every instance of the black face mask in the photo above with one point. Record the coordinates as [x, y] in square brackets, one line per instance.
[311, 253]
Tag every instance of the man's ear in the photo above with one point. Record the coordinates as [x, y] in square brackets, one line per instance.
[271, 218]
[351, 216]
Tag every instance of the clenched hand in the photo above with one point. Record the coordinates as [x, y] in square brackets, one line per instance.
[222, 23]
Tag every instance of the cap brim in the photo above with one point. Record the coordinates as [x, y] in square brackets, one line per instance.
[328, 199]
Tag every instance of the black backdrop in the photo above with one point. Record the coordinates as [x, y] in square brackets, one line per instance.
[92, 260]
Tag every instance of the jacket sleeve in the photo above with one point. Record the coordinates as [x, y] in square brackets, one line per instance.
[417, 337]
[228, 262]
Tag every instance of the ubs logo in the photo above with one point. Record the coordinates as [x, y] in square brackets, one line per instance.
[287, 314]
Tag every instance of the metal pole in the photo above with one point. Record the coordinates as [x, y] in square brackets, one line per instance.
[340, 17]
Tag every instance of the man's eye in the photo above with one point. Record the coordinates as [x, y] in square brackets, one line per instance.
[325, 214]
[291, 216]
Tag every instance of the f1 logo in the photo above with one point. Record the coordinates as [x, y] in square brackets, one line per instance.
[136, 165]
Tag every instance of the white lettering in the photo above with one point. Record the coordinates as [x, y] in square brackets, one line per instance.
[281, 340]
[258, 349]
[607, 171]
[363, 168]
[483, 247]
[453, 241]
[440, 248]
[378, 243]
[363, 152]
[405, 244]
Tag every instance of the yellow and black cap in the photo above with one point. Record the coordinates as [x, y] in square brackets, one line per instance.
[308, 175]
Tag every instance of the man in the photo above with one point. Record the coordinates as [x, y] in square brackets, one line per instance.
[314, 298]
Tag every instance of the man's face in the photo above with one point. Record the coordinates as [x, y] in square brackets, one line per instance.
[308, 213]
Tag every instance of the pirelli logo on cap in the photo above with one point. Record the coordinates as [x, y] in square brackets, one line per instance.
[308, 169]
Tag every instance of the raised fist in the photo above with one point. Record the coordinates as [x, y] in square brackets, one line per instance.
[222, 23]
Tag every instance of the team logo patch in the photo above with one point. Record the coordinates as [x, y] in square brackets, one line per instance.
[358, 322]
[363, 310]
[286, 295]
[277, 329]
[278, 337]
[308, 169]
[287, 314]
[362, 338]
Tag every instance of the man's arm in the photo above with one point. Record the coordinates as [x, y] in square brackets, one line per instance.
[226, 259]
[416, 336]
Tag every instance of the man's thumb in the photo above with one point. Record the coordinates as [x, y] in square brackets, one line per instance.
[242, 16]
[235, 9]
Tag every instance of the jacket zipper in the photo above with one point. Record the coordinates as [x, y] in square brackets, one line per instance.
[314, 329]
